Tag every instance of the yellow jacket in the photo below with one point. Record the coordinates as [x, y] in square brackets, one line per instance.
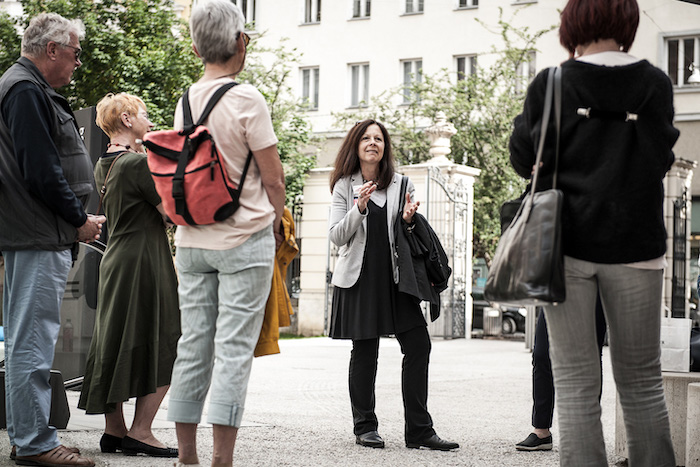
[279, 306]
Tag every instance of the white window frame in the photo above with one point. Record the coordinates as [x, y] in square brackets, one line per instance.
[309, 85]
[679, 75]
[467, 4]
[312, 11]
[411, 72]
[358, 77]
[413, 7]
[248, 9]
[465, 65]
[526, 72]
[361, 9]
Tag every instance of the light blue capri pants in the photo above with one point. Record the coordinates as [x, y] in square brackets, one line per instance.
[222, 304]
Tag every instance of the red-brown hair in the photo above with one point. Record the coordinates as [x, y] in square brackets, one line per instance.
[347, 162]
[586, 21]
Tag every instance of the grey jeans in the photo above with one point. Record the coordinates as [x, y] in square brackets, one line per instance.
[631, 300]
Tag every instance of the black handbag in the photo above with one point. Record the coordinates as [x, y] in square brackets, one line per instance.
[528, 266]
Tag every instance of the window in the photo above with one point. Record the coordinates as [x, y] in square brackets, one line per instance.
[312, 11]
[680, 53]
[309, 87]
[467, 3]
[466, 66]
[359, 85]
[248, 9]
[361, 8]
[525, 72]
[412, 73]
[414, 6]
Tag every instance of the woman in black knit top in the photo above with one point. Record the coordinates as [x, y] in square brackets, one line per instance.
[611, 169]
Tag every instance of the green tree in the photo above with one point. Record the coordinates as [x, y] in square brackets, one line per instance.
[135, 46]
[143, 48]
[269, 69]
[482, 107]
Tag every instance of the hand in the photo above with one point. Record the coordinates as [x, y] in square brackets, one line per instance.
[91, 229]
[279, 236]
[409, 209]
[533, 168]
[366, 191]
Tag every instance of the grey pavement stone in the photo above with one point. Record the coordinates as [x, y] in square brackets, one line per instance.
[298, 410]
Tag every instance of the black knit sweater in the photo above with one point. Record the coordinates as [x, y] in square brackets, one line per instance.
[610, 171]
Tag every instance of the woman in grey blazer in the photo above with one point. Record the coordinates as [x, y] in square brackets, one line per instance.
[366, 300]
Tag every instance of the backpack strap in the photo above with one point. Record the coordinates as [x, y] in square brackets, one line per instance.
[189, 126]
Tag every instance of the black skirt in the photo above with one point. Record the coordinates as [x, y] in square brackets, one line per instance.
[374, 307]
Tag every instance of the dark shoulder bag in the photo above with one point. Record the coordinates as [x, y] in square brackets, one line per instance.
[528, 266]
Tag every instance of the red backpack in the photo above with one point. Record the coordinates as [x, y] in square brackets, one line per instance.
[189, 175]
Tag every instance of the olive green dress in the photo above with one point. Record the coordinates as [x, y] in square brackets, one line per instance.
[138, 320]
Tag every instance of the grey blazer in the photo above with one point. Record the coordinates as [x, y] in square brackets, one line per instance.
[348, 228]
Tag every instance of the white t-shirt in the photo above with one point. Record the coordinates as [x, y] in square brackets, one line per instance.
[240, 121]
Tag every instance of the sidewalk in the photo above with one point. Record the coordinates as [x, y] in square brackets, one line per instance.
[298, 411]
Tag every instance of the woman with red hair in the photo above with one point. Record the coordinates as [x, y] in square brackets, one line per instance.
[615, 147]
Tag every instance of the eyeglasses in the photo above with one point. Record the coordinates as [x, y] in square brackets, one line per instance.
[77, 50]
[246, 38]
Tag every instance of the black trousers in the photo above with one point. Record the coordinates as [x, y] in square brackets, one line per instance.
[542, 380]
[415, 346]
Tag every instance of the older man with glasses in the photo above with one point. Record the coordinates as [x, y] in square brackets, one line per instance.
[45, 180]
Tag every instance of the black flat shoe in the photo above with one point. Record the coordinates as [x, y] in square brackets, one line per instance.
[132, 447]
[433, 442]
[110, 443]
[371, 439]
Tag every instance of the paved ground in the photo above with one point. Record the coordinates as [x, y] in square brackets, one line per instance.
[298, 412]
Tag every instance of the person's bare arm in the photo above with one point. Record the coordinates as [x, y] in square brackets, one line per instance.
[272, 175]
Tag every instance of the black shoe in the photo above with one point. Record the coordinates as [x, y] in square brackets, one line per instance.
[433, 442]
[371, 439]
[535, 443]
[110, 443]
[132, 447]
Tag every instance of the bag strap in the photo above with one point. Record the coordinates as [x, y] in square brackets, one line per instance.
[103, 190]
[543, 131]
[557, 120]
[402, 195]
[189, 126]
[245, 170]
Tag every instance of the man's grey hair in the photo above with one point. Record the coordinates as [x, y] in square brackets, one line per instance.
[47, 27]
[214, 27]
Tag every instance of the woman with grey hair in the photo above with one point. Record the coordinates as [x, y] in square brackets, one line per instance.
[225, 268]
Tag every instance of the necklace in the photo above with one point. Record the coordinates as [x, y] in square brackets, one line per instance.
[127, 146]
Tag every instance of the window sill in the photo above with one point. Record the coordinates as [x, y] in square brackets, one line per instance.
[360, 18]
[357, 107]
[412, 13]
[310, 24]
[472, 7]
[523, 2]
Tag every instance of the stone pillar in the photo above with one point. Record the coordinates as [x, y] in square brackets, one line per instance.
[314, 254]
[676, 183]
[692, 433]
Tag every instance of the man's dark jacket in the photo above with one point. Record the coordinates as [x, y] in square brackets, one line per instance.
[26, 221]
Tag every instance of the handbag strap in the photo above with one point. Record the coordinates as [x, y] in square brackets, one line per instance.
[543, 132]
[557, 120]
[103, 190]
[402, 194]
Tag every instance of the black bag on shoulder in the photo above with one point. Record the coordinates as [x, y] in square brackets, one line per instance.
[528, 266]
